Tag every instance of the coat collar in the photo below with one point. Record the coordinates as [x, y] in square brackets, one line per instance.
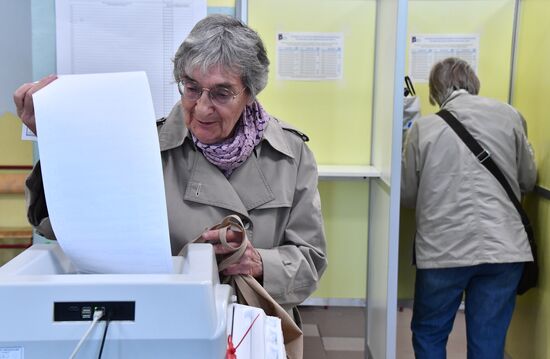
[173, 133]
[171, 129]
[454, 95]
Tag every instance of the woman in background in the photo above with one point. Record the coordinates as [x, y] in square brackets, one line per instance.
[469, 236]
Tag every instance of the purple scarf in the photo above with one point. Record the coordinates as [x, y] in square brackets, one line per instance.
[234, 151]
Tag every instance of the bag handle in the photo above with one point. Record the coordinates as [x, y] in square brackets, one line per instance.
[234, 223]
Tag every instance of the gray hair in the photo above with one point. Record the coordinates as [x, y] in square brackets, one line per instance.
[449, 75]
[222, 40]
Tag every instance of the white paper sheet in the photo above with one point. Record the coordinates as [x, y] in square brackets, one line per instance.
[102, 172]
[265, 335]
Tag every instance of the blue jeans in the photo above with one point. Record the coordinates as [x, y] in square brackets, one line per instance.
[490, 297]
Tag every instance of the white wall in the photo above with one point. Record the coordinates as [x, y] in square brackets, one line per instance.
[391, 30]
[15, 49]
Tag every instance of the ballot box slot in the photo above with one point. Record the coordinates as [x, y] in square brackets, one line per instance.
[84, 311]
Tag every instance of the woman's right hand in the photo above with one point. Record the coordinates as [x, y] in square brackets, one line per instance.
[23, 100]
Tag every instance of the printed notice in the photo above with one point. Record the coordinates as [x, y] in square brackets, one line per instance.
[126, 35]
[310, 56]
[426, 50]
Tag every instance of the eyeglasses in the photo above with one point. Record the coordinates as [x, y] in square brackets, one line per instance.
[219, 95]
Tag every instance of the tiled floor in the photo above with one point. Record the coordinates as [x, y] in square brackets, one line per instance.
[338, 333]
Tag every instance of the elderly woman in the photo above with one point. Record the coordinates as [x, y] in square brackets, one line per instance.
[223, 154]
[469, 236]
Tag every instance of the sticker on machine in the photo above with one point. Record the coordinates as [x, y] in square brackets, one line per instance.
[11, 353]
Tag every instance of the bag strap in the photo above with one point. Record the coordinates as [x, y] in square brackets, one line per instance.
[486, 160]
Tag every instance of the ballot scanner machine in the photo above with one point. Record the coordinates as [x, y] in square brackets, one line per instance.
[46, 308]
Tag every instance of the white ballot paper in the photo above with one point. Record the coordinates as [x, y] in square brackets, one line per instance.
[102, 172]
[256, 332]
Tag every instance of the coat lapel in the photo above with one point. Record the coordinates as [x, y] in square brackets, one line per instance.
[207, 185]
[245, 190]
[251, 185]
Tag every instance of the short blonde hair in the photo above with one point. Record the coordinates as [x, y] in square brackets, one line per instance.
[449, 75]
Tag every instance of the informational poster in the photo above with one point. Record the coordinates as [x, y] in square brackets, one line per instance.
[126, 35]
[310, 56]
[426, 50]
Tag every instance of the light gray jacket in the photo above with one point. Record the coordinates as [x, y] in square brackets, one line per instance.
[274, 192]
[463, 215]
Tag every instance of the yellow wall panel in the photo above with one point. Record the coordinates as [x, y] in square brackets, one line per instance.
[13, 151]
[533, 80]
[345, 210]
[13, 211]
[335, 114]
[529, 334]
[221, 3]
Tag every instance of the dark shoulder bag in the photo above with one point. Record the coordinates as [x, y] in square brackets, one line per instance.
[530, 275]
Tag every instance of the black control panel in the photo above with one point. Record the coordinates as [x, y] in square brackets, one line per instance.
[84, 311]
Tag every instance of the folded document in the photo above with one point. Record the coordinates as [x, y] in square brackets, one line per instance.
[255, 332]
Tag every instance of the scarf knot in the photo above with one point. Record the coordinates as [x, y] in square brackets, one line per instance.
[232, 152]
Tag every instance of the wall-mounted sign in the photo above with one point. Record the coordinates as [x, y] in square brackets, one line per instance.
[426, 50]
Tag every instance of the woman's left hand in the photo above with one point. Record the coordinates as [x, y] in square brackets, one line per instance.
[249, 263]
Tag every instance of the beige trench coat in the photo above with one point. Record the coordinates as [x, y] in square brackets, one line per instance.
[274, 192]
[463, 215]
